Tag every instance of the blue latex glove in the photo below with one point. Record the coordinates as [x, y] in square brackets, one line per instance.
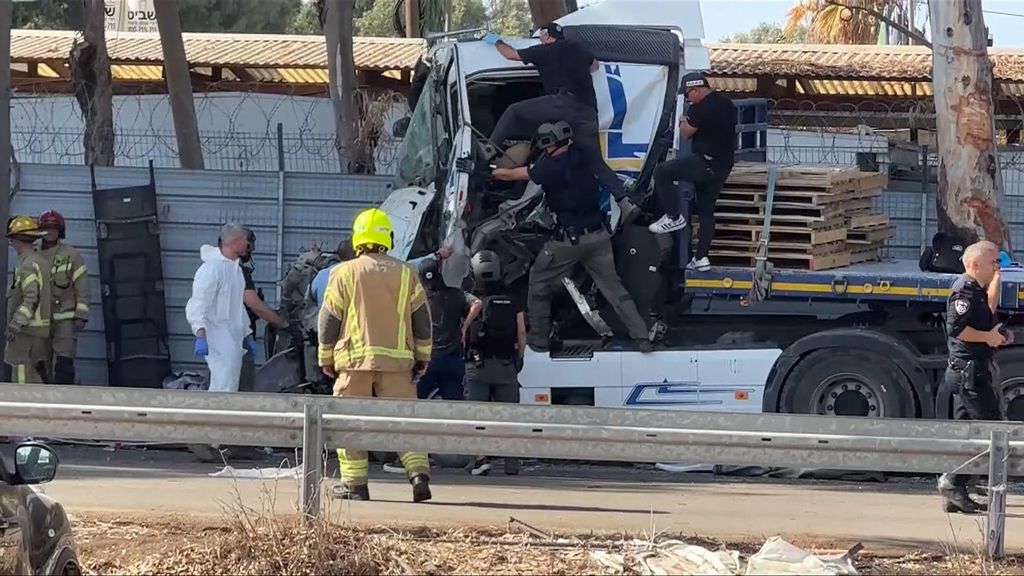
[250, 345]
[491, 38]
[202, 349]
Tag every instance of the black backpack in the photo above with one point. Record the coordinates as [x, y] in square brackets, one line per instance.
[944, 255]
[495, 331]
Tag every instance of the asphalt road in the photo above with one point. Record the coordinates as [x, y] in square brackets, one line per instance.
[895, 515]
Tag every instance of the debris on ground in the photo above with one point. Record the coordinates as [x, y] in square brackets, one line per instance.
[243, 543]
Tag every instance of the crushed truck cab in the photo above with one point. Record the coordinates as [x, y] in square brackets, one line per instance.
[865, 340]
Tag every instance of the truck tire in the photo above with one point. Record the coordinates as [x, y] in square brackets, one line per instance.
[1011, 371]
[848, 382]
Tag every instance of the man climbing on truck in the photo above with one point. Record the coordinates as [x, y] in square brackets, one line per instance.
[711, 125]
[565, 69]
[581, 233]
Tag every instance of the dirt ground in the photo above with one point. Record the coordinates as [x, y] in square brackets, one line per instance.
[245, 543]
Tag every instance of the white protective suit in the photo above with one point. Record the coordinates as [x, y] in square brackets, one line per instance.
[217, 305]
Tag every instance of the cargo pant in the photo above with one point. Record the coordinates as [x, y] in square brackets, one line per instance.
[29, 358]
[974, 391]
[555, 261]
[65, 344]
[353, 463]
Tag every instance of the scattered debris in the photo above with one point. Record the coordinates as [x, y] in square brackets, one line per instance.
[780, 557]
[258, 473]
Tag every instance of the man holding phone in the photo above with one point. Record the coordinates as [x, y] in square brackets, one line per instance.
[974, 334]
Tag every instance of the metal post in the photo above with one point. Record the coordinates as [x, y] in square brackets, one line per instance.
[412, 18]
[925, 241]
[312, 463]
[280, 208]
[6, 7]
[995, 530]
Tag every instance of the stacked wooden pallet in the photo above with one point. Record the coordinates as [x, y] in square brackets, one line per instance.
[821, 216]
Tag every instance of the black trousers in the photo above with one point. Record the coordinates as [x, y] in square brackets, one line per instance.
[696, 177]
[976, 399]
[521, 120]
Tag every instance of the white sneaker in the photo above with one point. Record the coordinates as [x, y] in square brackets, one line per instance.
[664, 225]
[394, 467]
[702, 265]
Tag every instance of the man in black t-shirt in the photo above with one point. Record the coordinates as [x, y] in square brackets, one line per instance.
[565, 69]
[451, 309]
[581, 237]
[711, 125]
[256, 309]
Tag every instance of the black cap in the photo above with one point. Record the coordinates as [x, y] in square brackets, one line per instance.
[554, 30]
[693, 80]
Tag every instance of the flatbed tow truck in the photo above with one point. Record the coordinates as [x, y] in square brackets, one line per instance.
[863, 340]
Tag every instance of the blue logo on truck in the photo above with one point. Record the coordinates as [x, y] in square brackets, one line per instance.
[678, 394]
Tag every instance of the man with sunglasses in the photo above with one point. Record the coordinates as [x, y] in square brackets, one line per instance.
[974, 333]
[710, 124]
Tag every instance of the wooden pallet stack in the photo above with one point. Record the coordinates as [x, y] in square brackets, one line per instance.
[821, 217]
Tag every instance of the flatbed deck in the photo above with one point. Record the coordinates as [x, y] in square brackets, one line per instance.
[894, 280]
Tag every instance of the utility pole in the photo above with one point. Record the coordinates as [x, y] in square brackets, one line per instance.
[179, 84]
[338, 30]
[970, 191]
[412, 18]
[6, 8]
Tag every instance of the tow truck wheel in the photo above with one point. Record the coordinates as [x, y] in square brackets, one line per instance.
[1011, 370]
[836, 382]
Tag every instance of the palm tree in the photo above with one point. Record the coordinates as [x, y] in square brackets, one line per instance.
[850, 21]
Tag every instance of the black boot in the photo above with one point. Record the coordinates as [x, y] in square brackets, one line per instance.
[346, 492]
[955, 498]
[421, 488]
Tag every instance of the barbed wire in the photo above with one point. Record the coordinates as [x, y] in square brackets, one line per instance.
[238, 129]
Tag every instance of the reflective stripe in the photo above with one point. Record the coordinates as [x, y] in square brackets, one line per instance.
[424, 350]
[24, 312]
[28, 280]
[39, 322]
[78, 273]
[325, 354]
[352, 330]
[403, 304]
[354, 466]
[62, 316]
[353, 353]
[415, 463]
[82, 307]
[19, 373]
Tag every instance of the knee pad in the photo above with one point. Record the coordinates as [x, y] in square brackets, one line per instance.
[64, 370]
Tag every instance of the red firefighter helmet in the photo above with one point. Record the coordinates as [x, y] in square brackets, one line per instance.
[50, 220]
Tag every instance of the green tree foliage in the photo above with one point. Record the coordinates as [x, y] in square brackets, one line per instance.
[48, 15]
[510, 18]
[250, 16]
[306, 20]
[768, 33]
[459, 14]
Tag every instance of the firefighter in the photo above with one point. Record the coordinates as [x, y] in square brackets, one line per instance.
[69, 281]
[375, 331]
[28, 305]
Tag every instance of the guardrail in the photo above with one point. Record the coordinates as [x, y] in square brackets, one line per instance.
[573, 433]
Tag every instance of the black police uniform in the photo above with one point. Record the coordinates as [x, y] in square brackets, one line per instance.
[705, 169]
[972, 373]
[572, 195]
[247, 376]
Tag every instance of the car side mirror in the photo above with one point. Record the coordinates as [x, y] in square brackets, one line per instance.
[400, 127]
[34, 463]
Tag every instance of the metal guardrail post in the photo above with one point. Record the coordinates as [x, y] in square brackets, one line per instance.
[312, 459]
[995, 530]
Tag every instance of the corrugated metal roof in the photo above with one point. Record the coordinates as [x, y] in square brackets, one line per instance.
[844, 61]
[247, 50]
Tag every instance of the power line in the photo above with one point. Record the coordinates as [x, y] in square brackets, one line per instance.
[1003, 13]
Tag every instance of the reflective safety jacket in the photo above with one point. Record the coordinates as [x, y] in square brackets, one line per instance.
[29, 297]
[70, 282]
[374, 316]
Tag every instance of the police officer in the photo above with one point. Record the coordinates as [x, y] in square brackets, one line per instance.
[495, 344]
[710, 123]
[568, 177]
[973, 337]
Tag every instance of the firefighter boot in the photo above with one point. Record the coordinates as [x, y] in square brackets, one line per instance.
[346, 492]
[421, 488]
[955, 498]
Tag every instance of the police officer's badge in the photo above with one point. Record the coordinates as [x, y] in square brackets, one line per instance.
[961, 306]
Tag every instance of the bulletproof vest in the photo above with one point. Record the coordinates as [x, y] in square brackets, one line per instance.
[297, 308]
[944, 255]
[494, 332]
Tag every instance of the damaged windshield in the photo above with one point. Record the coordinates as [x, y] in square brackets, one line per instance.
[417, 165]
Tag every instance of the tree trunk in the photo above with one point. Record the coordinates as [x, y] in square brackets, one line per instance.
[970, 190]
[544, 12]
[412, 18]
[338, 30]
[91, 76]
[179, 84]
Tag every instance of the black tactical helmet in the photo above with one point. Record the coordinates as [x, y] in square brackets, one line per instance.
[553, 134]
[486, 266]
[430, 275]
[693, 80]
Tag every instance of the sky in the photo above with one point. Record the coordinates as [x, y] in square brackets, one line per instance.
[726, 17]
